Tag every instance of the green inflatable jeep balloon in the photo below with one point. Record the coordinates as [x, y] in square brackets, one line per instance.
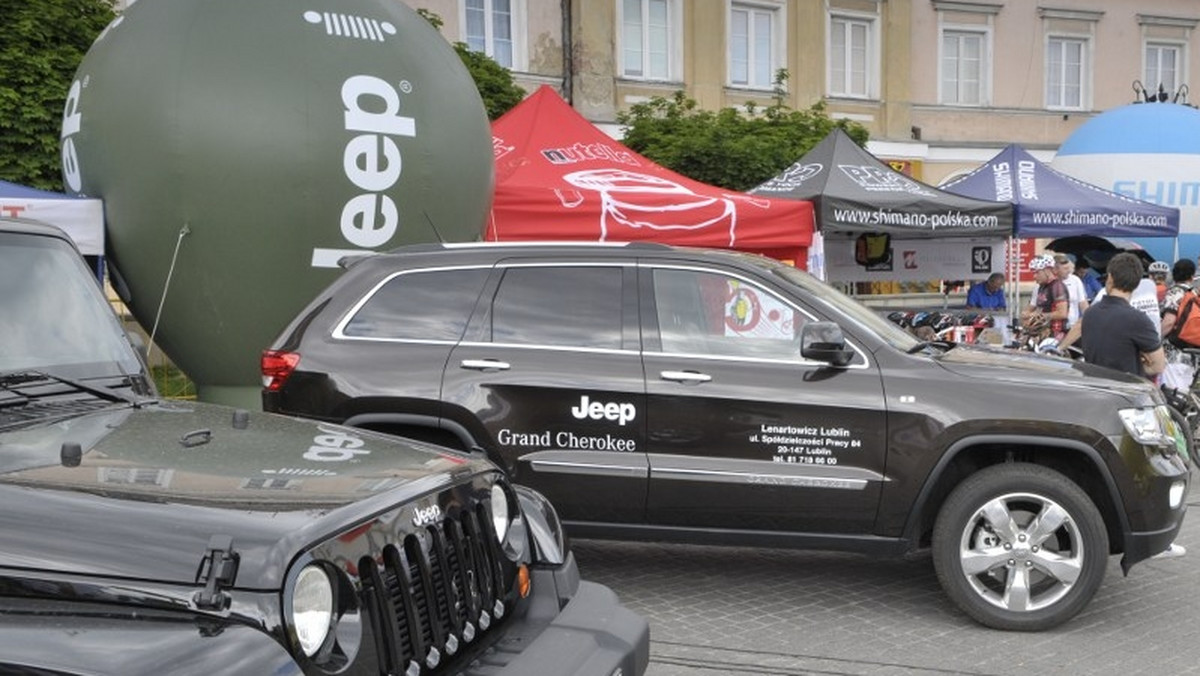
[243, 147]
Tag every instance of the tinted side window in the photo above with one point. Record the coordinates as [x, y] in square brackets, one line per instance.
[705, 313]
[564, 306]
[433, 305]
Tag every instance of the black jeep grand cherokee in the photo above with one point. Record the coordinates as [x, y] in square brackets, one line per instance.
[140, 536]
[672, 394]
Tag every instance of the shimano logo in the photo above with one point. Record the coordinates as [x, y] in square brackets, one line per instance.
[423, 516]
[334, 445]
[621, 413]
[372, 162]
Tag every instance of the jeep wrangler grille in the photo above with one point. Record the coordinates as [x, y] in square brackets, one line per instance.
[437, 590]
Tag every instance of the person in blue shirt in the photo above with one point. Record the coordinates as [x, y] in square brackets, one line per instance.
[1091, 279]
[988, 294]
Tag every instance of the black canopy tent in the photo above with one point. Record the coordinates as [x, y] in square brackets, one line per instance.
[861, 203]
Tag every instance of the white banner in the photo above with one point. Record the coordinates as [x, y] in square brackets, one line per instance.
[913, 260]
[82, 219]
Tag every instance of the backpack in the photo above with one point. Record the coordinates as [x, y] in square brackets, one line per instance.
[1186, 332]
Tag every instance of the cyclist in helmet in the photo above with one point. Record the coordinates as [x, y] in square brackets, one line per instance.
[1047, 316]
[1158, 272]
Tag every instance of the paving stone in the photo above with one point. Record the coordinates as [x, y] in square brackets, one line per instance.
[747, 611]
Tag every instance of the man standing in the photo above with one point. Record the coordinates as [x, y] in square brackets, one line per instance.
[1047, 315]
[1114, 333]
[1077, 301]
[988, 294]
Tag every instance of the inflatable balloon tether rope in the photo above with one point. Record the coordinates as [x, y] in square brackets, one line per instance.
[166, 285]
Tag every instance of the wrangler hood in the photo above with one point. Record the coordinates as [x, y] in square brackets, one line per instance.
[76, 490]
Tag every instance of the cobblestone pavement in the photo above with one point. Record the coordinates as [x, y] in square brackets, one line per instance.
[715, 610]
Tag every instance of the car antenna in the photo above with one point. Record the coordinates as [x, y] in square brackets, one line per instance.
[433, 227]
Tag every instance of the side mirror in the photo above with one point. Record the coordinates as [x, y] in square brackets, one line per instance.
[823, 341]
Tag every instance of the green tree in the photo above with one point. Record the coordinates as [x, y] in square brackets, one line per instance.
[732, 148]
[41, 45]
[495, 83]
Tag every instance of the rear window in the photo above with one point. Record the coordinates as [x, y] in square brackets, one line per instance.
[425, 305]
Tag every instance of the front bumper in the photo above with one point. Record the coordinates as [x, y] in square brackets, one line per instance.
[1161, 518]
[591, 635]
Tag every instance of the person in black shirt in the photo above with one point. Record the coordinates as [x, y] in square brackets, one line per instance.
[1114, 333]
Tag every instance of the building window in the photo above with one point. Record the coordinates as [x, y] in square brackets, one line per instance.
[1066, 72]
[851, 56]
[647, 47]
[964, 68]
[1163, 62]
[752, 46]
[489, 27]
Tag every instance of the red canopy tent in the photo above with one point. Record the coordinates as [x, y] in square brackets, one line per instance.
[558, 177]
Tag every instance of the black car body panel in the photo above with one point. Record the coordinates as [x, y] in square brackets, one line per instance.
[661, 393]
[140, 536]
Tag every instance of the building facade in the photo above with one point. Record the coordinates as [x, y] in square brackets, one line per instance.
[941, 84]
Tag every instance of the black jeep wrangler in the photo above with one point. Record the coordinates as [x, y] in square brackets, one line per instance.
[715, 397]
[141, 536]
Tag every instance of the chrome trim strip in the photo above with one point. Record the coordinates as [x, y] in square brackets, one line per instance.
[594, 463]
[755, 360]
[788, 480]
[557, 348]
[340, 328]
[558, 467]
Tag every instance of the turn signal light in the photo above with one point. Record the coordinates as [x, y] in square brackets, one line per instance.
[523, 582]
[276, 366]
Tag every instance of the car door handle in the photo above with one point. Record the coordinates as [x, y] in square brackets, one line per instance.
[486, 365]
[689, 377]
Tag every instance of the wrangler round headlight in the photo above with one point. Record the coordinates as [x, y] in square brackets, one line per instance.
[312, 608]
[500, 519]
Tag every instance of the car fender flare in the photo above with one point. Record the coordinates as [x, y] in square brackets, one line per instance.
[964, 445]
[414, 420]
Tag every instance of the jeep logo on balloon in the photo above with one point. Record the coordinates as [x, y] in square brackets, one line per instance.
[243, 148]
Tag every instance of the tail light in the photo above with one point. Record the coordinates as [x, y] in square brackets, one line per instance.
[276, 366]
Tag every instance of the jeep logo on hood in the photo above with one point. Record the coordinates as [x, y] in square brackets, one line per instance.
[335, 445]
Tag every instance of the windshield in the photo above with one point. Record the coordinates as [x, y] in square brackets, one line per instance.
[54, 317]
[866, 318]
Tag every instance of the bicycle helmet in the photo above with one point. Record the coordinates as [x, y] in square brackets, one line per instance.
[1159, 268]
[943, 322]
[1041, 262]
[1047, 346]
[899, 318]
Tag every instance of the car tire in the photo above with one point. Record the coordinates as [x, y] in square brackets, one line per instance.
[996, 560]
